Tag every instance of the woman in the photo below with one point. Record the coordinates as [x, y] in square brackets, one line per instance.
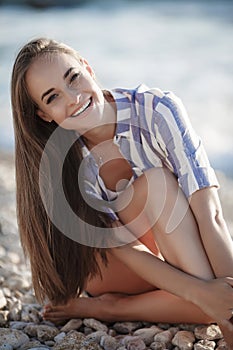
[115, 196]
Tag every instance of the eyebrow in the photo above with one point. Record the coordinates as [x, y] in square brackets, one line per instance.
[64, 77]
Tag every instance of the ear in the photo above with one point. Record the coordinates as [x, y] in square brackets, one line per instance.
[87, 67]
[43, 116]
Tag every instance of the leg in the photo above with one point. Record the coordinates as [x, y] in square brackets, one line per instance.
[166, 210]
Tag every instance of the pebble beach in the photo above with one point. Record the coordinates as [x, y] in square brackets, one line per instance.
[21, 324]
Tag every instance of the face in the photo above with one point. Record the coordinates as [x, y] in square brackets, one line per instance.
[65, 91]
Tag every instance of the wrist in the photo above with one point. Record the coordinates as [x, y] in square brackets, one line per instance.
[196, 292]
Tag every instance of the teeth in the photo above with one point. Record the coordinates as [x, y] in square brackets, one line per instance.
[82, 109]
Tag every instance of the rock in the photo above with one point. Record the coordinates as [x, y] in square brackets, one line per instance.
[204, 345]
[108, 342]
[95, 336]
[222, 345]
[46, 332]
[4, 316]
[146, 334]
[6, 347]
[30, 314]
[31, 330]
[164, 337]
[136, 344]
[184, 340]
[18, 325]
[72, 325]
[126, 327]
[157, 345]
[95, 324]
[12, 337]
[73, 340]
[133, 343]
[59, 337]
[32, 344]
[15, 311]
[211, 332]
[3, 301]
[91, 346]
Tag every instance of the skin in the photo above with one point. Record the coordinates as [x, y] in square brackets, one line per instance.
[197, 250]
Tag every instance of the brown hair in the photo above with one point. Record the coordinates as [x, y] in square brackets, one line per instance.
[59, 265]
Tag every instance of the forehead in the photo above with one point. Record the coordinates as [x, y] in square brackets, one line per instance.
[47, 72]
[54, 61]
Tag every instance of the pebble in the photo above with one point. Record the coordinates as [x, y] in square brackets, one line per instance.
[12, 337]
[126, 327]
[73, 324]
[184, 340]
[95, 324]
[22, 327]
[204, 345]
[211, 332]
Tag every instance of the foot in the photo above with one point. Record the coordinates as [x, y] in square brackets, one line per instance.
[83, 307]
[228, 337]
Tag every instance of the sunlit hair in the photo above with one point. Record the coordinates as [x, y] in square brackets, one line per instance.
[60, 267]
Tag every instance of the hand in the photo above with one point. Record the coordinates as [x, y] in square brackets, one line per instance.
[216, 300]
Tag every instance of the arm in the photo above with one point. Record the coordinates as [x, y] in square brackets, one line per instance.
[217, 241]
[205, 294]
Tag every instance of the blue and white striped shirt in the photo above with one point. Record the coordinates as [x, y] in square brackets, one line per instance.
[153, 130]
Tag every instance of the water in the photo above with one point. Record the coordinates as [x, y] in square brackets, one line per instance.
[184, 46]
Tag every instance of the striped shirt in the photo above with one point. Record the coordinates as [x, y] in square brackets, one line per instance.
[153, 130]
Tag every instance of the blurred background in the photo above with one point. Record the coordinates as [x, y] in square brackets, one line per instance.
[183, 46]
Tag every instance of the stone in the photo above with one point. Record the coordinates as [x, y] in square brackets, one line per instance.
[15, 311]
[59, 337]
[210, 332]
[4, 316]
[146, 334]
[30, 314]
[126, 327]
[184, 340]
[72, 324]
[164, 337]
[73, 340]
[6, 347]
[108, 342]
[222, 345]
[30, 345]
[46, 332]
[3, 301]
[204, 345]
[91, 346]
[12, 337]
[95, 324]
[18, 325]
[157, 345]
[95, 336]
[136, 344]
[31, 330]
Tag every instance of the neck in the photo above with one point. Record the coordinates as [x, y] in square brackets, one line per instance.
[106, 130]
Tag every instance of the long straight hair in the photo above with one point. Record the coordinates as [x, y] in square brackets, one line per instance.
[60, 266]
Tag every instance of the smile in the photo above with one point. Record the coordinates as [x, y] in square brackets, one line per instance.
[82, 109]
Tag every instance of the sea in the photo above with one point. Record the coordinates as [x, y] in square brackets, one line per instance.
[180, 46]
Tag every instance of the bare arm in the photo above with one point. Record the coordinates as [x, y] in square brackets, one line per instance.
[216, 238]
[205, 294]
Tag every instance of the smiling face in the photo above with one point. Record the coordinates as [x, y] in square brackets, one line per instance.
[65, 91]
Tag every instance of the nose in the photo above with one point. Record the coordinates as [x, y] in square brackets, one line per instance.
[72, 96]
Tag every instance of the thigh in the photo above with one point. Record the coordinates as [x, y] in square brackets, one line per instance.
[118, 278]
[158, 203]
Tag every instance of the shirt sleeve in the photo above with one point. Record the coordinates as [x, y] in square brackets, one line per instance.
[183, 149]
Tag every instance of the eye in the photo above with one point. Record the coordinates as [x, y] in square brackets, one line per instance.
[74, 77]
[51, 98]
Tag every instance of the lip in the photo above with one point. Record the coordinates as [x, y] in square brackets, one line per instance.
[85, 112]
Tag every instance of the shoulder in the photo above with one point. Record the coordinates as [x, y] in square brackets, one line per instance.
[143, 94]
